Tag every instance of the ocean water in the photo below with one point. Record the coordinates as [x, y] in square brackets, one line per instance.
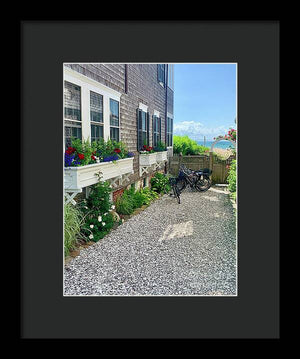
[220, 144]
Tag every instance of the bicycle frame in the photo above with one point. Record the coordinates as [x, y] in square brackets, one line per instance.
[191, 177]
[188, 178]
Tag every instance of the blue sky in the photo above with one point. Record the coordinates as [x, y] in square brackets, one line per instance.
[204, 99]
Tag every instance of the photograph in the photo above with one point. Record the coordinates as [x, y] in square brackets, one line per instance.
[150, 179]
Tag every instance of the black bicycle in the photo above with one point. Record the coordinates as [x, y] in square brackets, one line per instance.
[175, 189]
[198, 180]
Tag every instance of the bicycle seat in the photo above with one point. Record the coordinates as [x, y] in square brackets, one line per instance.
[206, 171]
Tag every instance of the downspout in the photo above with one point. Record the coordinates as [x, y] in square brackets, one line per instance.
[166, 104]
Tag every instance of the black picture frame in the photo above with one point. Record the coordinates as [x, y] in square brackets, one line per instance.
[45, 313]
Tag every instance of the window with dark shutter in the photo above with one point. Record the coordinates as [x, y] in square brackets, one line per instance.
[156, 130]
[143, 128]
[72, 112]
[114, 120]
[169, 131]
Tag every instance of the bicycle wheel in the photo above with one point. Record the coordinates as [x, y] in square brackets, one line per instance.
[176, 193]
[203, 184]
[181, 184]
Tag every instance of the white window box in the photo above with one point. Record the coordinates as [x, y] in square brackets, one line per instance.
[147, 159]
[76, 178]
[161, 156]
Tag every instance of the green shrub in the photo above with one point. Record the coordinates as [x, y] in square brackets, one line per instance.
[148, 195]
[231, 179]
[160, 183]
[73, 220]
[187, 146]
[138, 199]
[233, 196]
[125, 203]
[97, 210]
[131, 200]
[161, 146]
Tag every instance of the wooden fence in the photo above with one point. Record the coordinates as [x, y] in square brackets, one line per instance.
[219, 166]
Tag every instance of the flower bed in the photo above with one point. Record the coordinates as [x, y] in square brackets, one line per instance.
[84, 161]
[147, 159]
[84, 153]
[161, 156]
[76, 178]
[150, 155]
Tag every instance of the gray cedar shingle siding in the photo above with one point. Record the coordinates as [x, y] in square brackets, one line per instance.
[142, 87]
[170, 101]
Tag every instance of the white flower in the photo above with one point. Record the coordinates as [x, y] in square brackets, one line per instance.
[113, 206]
[103, 223]
[99, 218]
[91, 236]
[85, 207]
[91, 226]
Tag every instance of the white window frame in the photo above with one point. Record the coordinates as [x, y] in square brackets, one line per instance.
[67, 119]
[88, 85]
[110, 126]
[95, 123]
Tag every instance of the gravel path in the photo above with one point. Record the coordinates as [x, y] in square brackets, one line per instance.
[168, 249]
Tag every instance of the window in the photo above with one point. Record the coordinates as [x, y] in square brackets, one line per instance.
[143, 128]
[96, 116]
[161, 73]
[114, 120]
[156, 130]
[169, 131]
[91, 109]
[72, 112]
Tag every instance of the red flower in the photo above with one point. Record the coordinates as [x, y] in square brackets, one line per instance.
[93, 158]
[117, 150]
[81, 156]
[70, 150]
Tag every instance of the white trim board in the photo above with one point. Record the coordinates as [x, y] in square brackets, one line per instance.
[143, 107]
[86, 84]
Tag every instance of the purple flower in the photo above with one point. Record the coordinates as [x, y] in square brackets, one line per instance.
[111, 158]
[69, 160]
[130, 154]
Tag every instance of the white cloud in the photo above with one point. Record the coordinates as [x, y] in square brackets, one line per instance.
[196, 130]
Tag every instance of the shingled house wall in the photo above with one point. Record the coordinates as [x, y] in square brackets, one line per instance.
[142, 87]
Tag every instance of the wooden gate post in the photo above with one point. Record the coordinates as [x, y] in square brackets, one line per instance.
[179, 162]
